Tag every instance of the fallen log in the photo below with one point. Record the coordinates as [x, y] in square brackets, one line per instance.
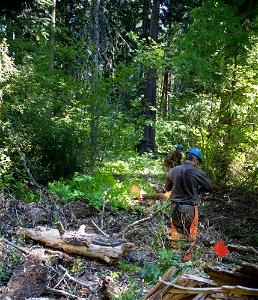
[93, 245]
[142, 195]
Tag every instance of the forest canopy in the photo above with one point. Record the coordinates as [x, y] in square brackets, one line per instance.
[83, 83]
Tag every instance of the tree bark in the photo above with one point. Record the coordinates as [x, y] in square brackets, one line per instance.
[86, 244]
[30, 279]
[164, 95]
[52, 31]
[148, 142]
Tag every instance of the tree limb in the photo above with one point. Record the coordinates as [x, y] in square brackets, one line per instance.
[151, 216]
[61, 292]
[15, 246]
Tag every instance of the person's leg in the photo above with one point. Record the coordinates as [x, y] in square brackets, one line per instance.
[191, 236]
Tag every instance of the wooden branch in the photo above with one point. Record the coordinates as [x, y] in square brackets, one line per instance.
[245, 276]
[15, 246]
[99, 229]
[61, 255]
[237, 261]
[157, 196]
[241, 248]
[151, 216]
[105, 248]
[61, 292]
[77, 281]
[186, 286]
[201, 280]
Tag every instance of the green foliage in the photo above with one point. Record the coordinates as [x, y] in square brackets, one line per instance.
[96, 189]
[8, 266]
[89, 107]
[133, 293]
[150, 272]
[212, 105]
[4, 274]
[77, 266]
[166, 259]
[112, 182]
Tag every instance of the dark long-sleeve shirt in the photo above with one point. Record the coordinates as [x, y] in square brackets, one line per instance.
[185, 182]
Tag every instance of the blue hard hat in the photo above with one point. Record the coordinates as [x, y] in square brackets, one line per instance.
[195, 151]
[180, 147]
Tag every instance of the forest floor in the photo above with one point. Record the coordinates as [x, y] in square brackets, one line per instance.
[229, 215]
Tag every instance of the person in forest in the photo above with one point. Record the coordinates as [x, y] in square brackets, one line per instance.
[174, 157]
[185, 182]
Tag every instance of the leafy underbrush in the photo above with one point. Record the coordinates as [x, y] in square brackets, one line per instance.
[112, 183]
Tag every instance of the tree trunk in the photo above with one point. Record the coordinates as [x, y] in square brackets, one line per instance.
[51, 36]
[148, 142]
[146, 27]
[164, 95]
[94, 126]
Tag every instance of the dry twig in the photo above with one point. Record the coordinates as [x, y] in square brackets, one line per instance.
[151, 216]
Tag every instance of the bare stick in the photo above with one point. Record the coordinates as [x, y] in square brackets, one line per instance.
[61, 255]
[52, 290]
[241, 248]
[99, 229]
[74, 279]
[151, 216]
[62, 278]
[102, 215]
[15, 246]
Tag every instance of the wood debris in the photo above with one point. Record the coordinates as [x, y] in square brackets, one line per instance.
[219, 284]
[29, 279]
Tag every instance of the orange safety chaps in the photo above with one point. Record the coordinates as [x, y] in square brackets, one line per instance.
[184, 242]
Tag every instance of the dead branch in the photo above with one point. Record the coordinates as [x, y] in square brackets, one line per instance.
[237, 261]
[244, 276]
[15, 246]
[99, 229]
[61, 255]
[151, 216]
[61, 292]
[77, 281]
[241, 248]
[60, 228]
[218, 284]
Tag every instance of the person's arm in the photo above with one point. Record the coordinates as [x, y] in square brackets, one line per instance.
[168, 184]
[204, 181]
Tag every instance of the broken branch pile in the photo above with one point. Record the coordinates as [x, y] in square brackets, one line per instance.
[219, 284]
